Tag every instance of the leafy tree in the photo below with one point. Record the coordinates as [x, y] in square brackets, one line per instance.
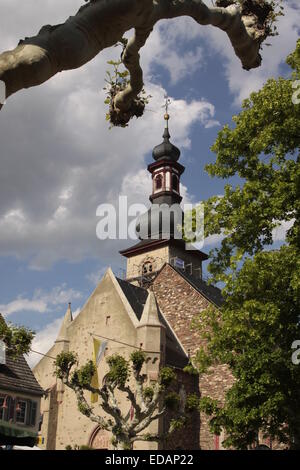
[17, 339]
[263, 150]
[147, 403]
[256, 327]
[100, 24]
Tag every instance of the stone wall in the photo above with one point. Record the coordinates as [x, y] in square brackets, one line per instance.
[186, 438]
[180, 303]
[158, 257]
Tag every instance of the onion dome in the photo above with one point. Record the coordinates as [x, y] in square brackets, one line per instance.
[164, 219]
[159, 223]
[166, 150]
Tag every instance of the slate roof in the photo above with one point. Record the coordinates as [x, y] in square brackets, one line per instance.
[211, 293]
[16, 375]
[137, 297]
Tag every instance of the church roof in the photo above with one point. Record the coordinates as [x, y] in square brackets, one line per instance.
[17, 376]
[211, 293]
[145, 245]
[166, 150]
[137, 297]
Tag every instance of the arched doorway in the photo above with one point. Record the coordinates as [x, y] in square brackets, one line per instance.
[100, 439]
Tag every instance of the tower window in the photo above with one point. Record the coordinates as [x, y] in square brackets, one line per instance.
[147, 267]
[158, 182]
[175, 183]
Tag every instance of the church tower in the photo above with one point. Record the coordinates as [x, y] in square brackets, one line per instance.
[160, 228]
[166, 171]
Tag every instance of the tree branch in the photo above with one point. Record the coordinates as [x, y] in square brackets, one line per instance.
[126, 103]
[242, 30]
[102, 23]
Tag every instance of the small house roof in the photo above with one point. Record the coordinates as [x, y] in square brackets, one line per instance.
[16, 375]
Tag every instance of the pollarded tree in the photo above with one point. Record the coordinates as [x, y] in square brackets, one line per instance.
[145, 403]
[102, 23]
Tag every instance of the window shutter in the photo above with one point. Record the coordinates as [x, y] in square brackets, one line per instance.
[33, 411]
[28, 413]
[11, 409]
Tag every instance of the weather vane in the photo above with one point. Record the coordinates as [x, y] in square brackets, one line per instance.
[166, 106]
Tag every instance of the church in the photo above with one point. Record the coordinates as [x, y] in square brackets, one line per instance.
[151, 309]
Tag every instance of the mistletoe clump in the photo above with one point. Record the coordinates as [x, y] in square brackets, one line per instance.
[263, 14]
[117, 82]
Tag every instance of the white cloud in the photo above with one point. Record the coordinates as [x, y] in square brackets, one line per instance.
[58, 295]
[21, 304]
[212, 123]
[65, 161]
[172, 33]
[43, 341]
[212, 241]
[96, 276]
[241, 82]
[279, 233]
[63, 208]
[45, 338]
[42, 301]
[76, 312]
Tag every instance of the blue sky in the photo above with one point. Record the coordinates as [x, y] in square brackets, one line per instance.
[59, 160]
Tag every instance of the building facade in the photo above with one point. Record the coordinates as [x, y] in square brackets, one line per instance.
[20, 398]
[152, 309]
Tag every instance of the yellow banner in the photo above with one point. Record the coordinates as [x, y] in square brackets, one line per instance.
[95, 380]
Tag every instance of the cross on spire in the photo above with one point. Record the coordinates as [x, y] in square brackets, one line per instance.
[166, 106]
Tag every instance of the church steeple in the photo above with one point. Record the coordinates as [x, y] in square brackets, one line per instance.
[160, 228]
[165, 170]
[160, 222]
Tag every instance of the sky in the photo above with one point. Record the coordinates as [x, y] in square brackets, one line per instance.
[59, 161]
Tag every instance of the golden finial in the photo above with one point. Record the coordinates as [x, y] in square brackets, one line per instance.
[166, 106]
